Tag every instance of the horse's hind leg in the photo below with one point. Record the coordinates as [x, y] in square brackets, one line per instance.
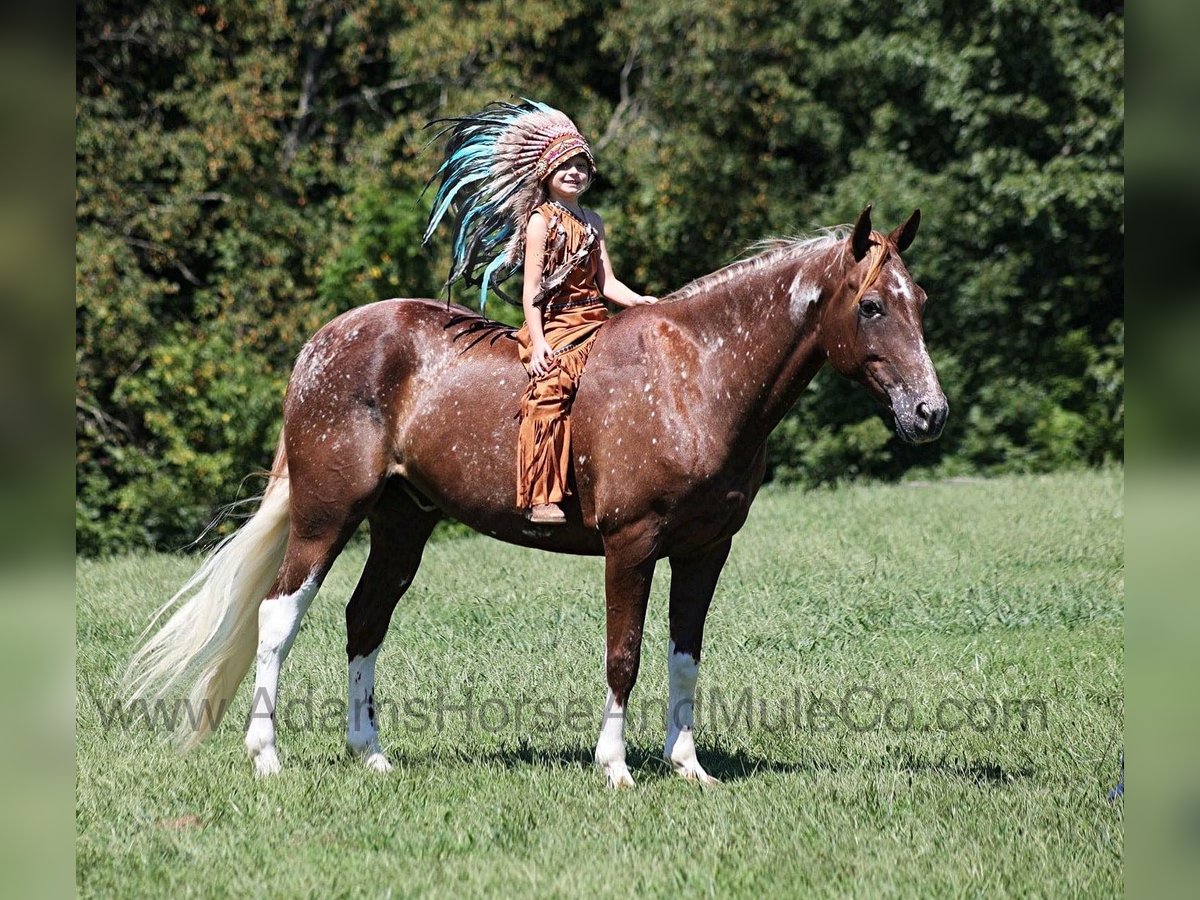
[319, 531]
[305, 563]
[399, 530]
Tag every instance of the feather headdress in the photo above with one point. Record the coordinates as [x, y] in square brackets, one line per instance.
[495, 162]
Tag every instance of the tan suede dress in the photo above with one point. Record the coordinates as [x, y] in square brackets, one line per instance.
[572, 313]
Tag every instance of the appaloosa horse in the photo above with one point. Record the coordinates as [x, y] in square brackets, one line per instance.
[401, 412]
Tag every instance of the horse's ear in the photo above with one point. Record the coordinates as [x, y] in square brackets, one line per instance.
[903, 236]
[860, 239]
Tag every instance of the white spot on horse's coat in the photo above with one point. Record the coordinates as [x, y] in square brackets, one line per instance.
[646, 387]
[278, 621]
[802, 294]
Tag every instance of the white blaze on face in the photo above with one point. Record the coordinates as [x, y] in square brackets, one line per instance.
[921, 383]
[362, 733]
[610, 746]
[278, 621]
[901, 284]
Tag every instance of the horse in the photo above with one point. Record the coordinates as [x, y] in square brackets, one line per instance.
[401, 412]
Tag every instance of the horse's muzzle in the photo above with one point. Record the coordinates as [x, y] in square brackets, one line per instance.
[925, 421]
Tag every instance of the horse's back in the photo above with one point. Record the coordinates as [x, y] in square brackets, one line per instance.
[428, 392]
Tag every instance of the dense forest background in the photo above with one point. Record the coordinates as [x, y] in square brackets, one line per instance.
[246, 171]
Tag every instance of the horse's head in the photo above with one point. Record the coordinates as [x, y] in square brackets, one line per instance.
[871, 329]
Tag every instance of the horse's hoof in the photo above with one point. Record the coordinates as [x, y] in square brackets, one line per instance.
[691, 770]
[699, 776]
[266, 762]
[377, 762]
[617, 776]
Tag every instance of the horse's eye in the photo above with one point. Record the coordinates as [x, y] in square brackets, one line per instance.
[870, 308]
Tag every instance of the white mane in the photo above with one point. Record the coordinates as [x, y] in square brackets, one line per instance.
[768, 252]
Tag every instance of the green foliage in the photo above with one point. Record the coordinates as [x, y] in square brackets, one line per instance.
[381, 255]
[246, 173]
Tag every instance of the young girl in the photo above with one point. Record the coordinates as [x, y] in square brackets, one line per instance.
[515, 174]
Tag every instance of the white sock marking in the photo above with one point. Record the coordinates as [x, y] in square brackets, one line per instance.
[610, 746]
[362, 733]
[278, 621]
[680, 747]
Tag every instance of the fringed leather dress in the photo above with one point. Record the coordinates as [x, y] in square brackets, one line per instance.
[572, 313]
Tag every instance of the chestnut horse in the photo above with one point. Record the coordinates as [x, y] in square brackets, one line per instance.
[402, 411]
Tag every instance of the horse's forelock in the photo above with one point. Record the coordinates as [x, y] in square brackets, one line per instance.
[881, 250]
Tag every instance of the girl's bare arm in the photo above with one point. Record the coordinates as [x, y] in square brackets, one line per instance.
[535, 248]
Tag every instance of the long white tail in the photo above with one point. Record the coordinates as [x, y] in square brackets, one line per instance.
[208, 643]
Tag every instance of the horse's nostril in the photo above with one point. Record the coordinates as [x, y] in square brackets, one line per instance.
[924, 413]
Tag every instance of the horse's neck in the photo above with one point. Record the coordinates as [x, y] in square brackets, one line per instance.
[762, 326]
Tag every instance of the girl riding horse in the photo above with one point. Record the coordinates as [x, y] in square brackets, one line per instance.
[518, 172]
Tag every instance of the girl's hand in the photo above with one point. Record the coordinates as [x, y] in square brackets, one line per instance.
[541, 359]
[646, 298]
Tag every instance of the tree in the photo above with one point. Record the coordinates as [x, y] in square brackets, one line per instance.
[247, 172]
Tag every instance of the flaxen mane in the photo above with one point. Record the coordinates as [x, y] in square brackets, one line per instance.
[769, 252]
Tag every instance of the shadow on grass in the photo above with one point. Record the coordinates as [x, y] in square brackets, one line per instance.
[740, 766]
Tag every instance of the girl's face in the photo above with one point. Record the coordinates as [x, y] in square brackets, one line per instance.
[571, 178]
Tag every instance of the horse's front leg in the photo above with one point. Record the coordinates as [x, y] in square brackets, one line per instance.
[628, 571]
[693, 580]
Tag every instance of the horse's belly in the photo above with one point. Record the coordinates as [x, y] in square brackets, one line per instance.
[503, 521]
[474, 482]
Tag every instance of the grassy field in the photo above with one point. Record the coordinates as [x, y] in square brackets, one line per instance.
[982, 620]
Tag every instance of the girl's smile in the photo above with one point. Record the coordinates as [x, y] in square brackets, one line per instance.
[571, 178]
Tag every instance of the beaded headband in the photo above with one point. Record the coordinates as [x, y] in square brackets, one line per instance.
[559, 149]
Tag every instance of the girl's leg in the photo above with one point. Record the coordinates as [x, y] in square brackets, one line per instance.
[543, 441]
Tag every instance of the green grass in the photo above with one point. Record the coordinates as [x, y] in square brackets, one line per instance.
[1002, 590]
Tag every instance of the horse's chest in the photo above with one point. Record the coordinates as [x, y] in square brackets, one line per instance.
[724, 502]
[717, 507]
